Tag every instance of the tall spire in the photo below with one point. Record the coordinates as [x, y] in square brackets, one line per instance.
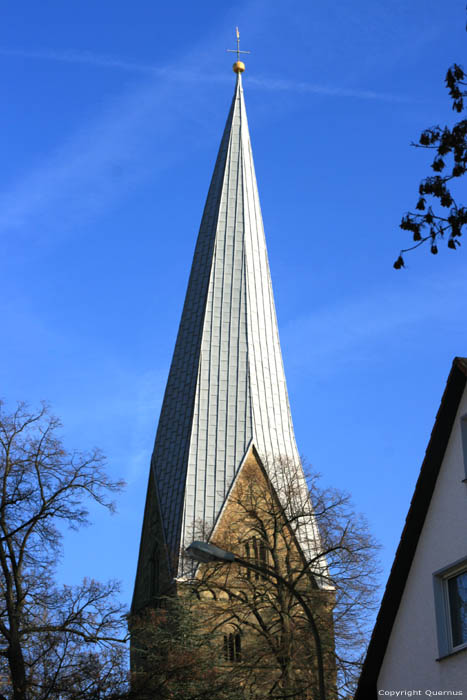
[226, 389]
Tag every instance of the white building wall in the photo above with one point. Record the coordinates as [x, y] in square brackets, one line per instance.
[410, 661]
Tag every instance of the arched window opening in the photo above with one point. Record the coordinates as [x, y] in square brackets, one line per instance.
[233, 647]
[255, 548]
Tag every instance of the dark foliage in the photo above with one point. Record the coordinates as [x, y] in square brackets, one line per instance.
[176, 657]
[437, 215]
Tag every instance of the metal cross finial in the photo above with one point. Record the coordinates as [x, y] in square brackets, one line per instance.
[237, 50]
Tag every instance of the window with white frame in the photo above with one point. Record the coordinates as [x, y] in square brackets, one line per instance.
[450, 586]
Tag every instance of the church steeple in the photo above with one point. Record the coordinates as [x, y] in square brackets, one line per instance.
[226, 389]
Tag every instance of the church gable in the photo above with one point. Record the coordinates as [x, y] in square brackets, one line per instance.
[256, 618]
[254, 523]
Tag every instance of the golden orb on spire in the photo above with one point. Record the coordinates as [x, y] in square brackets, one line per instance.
[238, 67]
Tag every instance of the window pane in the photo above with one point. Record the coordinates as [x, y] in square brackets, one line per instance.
[247, 556]
[231, 648]
[262, 552]
[457, 588]
[238, 647]
[256, 554]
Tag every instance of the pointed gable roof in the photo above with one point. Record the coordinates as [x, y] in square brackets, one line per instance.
[226, 387]
[412, 530]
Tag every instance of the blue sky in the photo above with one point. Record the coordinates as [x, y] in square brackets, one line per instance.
[111, 118]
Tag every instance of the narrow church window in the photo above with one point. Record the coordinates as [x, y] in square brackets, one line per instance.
[256, 548]
[247, 556]
[256, 555]
[233, 647]
[238, 647]
[263, 554]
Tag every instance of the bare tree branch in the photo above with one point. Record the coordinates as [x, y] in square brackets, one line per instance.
[58, 642]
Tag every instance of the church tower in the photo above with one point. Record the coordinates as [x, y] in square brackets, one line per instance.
[226, 395]
[225, 466]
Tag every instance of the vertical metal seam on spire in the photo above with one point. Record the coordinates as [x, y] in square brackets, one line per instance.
[239, 320]
[259, 371]
[266, 286]
[221, 310]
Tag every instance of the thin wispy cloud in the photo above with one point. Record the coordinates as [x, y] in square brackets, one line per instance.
[106, 157]
[327, 90]
[101, 390]
[358, 329]
[84, 57]
[102, 61]
[110, 156]
[124, 391]
[282, 85]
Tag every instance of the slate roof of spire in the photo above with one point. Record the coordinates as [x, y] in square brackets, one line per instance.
[226, 388]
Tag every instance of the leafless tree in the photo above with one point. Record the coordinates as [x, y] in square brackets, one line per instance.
[306, 600]
[55, 642]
